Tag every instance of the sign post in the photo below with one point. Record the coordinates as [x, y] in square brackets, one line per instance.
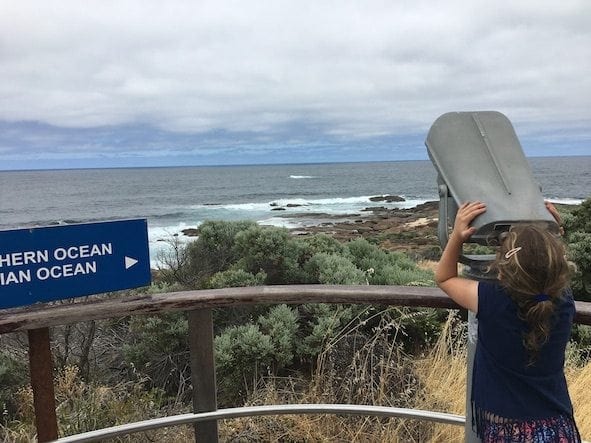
[58, 262]
[41, 368]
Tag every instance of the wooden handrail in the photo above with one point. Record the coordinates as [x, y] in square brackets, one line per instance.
[48, 315]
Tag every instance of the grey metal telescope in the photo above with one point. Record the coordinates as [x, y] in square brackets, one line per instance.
[478, 157]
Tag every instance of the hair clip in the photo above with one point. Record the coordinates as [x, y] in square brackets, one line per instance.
[511, 252]
[541, 297]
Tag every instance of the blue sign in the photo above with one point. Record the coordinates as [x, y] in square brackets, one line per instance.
[57, 262]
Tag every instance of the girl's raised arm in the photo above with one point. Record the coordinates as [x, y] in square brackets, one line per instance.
[461, 290]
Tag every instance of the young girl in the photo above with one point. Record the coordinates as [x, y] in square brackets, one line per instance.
[519, 393]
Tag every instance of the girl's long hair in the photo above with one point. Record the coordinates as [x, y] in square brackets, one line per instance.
[531, 261]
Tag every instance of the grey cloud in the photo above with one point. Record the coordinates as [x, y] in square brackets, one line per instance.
[351, 70]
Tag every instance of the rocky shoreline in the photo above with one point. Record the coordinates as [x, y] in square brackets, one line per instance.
[413, 230]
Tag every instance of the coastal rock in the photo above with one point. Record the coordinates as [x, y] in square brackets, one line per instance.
[191, 232]
[386, 198]
[409, 230]
[278, 209]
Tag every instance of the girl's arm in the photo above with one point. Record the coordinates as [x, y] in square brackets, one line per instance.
[461, 290]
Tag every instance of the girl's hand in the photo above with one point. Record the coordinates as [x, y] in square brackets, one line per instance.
[552, 210]
[465, 215]
[462, 290]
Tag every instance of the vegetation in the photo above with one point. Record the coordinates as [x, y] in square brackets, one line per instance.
[577, 225]
[277, 354]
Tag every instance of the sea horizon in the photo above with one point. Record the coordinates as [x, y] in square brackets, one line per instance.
[172, 166]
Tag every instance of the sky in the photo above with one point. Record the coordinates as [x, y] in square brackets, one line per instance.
[116, 83]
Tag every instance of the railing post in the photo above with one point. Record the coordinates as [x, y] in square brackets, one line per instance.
[41, 368]
[203, 372]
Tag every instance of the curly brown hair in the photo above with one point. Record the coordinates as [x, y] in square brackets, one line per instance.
[531, 261]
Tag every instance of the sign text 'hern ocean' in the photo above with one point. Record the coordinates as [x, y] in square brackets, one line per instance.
[57, 262]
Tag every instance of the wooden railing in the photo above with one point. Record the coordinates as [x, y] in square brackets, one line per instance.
[198, 304]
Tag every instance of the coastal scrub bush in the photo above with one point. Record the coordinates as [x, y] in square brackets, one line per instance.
[215, 248]
[271, 250]
[235, 278]
[580, 219]
[157, 350]
[320, 324]
[317, 243]
[334, 269]
[242, 352]
[580, 253]
[13, 375]
[245, 353]
[387, 268]
[577, 225]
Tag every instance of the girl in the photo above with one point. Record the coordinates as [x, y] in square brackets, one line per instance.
[519, 392]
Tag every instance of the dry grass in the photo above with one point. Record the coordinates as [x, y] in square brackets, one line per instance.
[579, 383]
[427, 265]
[379, 374]
[436, 382]
[376, 372]
[443, 377]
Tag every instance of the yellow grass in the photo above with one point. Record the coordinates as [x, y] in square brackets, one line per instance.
[443, 375]
[579, 386]
[441, 381]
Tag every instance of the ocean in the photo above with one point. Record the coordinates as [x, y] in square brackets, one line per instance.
[174, 199]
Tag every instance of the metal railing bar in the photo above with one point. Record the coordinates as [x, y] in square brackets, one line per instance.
[252, 411]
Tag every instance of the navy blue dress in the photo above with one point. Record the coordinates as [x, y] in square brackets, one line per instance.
[508, 396]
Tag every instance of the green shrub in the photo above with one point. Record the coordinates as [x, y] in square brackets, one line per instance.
[157, 348]
[245, 353]
[235, 278]
[271, 250]
[215, 249]
[579, 246]
[577, 225]
[13, 375]
[254, 340]
[242, 354]
[579, 218]
[281, 325]
[334, 269]
[387, 268]
[321, 323]
[317, 243]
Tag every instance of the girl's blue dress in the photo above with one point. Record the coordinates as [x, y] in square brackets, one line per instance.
[511, 400]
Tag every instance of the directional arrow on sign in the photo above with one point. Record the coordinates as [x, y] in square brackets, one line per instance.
[129, 262]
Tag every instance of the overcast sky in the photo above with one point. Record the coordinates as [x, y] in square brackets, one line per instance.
[146, 83]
